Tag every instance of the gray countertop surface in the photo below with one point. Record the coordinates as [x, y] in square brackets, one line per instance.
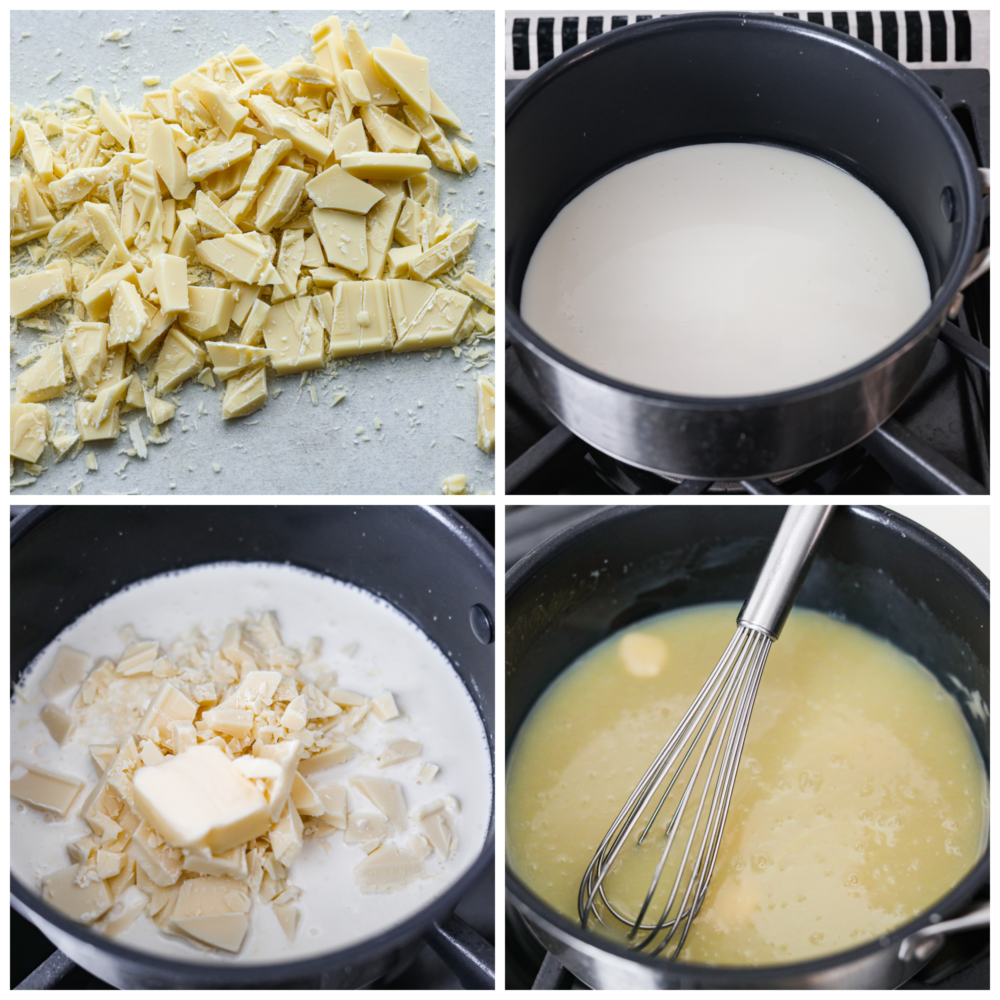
[426, 409]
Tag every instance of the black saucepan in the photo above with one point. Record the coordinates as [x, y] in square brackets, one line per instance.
[873, 567]
[425, 561]
[698, 78]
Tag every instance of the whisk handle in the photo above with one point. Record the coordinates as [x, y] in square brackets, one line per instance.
[785, 568]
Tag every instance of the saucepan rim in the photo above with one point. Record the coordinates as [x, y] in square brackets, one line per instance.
[30, 903]
[524, 898]
[929, 319]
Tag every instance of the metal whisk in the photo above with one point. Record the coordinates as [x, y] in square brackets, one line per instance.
[712, 730]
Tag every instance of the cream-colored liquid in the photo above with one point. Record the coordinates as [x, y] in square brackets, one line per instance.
[860, 798]
[724, 269]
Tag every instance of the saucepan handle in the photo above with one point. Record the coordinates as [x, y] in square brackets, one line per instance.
[467, 953]
[920, 945]
[981, 261]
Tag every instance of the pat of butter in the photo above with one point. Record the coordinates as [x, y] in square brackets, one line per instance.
[43, 789]
[335, 188]
[486, 425]
[84, 904]
[199, 799]
[385, 166]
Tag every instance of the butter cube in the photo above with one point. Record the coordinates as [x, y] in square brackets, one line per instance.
[199, 799]
[170, 278]
[29, 423]
[45, 379]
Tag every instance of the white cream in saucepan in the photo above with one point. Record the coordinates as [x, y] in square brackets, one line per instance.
[392, 654]
[724, 269]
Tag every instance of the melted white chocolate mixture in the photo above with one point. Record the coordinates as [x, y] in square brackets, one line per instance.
[724, 269]
[860, 800]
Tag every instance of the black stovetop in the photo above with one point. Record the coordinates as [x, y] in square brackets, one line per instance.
[937, 442]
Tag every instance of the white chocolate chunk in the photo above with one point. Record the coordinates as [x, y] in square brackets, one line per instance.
[170, 278]
[31, 292]
[334, 798]
[45, 379]
[57, 722]
[486, 424]
[385, 166]
[127, 907]
[84, 904]
[43, 789]
[407, 73]
[245, 393]
[388, 869]
[338, 753]
[304, 797]
[337, 189]
[384, 707]
[386, 796]
[29, 423]
[396, 751]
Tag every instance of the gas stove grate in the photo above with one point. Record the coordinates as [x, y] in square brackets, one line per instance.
[936, 39]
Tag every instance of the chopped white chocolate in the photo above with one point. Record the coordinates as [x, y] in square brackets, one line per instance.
[31, 292]
[361, 319]
[388, 869]
[386, 796]
[486, 425]
[67, 672]
[384, 707]
[45, 379]
[43, 789]
[29, 423]
[425, 316]
[385, 166]
[334, 798]
[208, 314]
[478, 290]
[396, 751]
[337, 189]
[57, 722]
[82, 903]
[245, 393]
